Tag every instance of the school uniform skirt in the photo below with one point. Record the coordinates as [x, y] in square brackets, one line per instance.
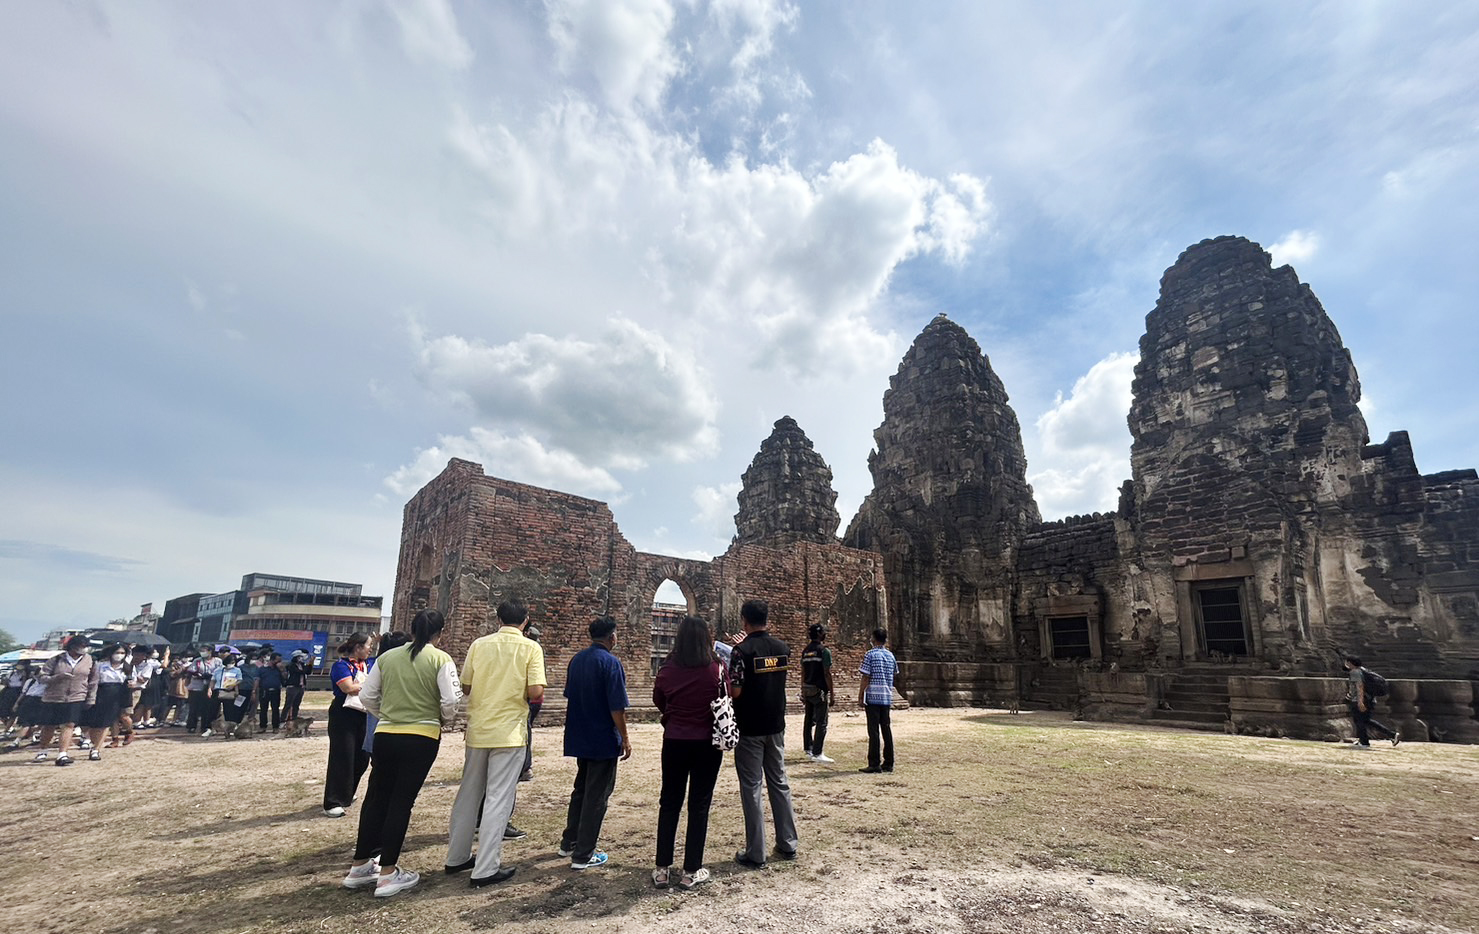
[28, 711]
[8, 698]
[110, 702]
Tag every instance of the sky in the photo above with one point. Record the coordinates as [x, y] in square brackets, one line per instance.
[264, 267]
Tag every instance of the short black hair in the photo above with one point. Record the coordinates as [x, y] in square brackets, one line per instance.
[512, 612]
[817, 632]
[1353, 661]
[75, 641]
[880, 636]
[602, 627]
[755, 612]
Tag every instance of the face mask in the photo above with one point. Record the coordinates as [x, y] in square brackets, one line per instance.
[118, 659]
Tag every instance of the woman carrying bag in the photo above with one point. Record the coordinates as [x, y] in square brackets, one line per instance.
[687, 684]
[414, 693]
[347, 757]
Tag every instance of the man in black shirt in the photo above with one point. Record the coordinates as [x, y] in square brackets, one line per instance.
[816, 693]
[757, 675]
[295, 679]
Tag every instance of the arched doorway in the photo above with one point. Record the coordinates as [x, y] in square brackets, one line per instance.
[670, 603]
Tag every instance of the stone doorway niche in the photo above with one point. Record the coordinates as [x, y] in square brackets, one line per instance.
[670, 603]
[1069, 638]
[1222, 617]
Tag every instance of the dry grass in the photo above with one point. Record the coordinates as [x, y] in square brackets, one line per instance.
[991, 823]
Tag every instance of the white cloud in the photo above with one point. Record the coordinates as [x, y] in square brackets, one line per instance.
[622, 44]
[429, 33]
[797, 261]
[716, 509]
[1295, 247]
[618, 401]
[521, 458]
[1085, 441]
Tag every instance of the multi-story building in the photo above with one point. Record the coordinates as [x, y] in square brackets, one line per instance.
[287, 612]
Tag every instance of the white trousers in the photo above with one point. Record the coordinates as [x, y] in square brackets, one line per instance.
[490, 778]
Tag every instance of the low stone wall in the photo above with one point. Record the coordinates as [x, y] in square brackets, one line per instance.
[1300, 708]
[1117, 696]
[1315, 708]
[959, 684]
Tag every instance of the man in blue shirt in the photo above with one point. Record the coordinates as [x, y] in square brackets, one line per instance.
[596, 737]
[876, 696]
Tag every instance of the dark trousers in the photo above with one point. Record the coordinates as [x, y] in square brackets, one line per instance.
[595, 779]
[347, 757]
[814, 725]
[1365, 721]
[231, 711]
[294, 702]
[199, 701]
[690, 765]
[402, 761]
[272, 697]
[878, 724]
[529, 742]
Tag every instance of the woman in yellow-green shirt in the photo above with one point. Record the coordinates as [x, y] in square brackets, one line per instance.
[414, 691]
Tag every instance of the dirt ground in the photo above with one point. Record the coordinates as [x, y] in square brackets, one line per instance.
[991, 823]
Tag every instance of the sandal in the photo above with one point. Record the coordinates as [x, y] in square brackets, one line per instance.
[94, 756]
[112, 744]
[660, 877]
[690, 879]
[64, 760]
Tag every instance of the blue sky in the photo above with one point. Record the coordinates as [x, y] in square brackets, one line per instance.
[264, 267]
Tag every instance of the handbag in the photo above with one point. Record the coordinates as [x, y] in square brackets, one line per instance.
[726, 729]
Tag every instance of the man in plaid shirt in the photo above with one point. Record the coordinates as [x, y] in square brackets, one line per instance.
[876, 697]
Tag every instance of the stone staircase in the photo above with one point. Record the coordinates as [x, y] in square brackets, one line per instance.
[1196, 699]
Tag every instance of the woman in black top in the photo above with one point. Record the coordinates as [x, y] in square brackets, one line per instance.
[294, 678]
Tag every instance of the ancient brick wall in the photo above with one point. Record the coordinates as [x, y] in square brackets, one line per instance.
[471, 541]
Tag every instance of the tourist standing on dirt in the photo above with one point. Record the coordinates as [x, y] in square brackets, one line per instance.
[200, 670]
[295, 680]
[10, 696]
[688, 682]
[413, 692]
[816, 693]
[175, 706]
[1361, 699]
[502, 674]
[757, 676]
[532, 634]
[71, 679]
[109, 710]
[231, 694]
[347, 757]
[876, 697]
[28, 714]
[596, 737]
[269, 692]
[146, 684]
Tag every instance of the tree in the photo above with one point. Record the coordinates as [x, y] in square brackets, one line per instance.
[8, 643]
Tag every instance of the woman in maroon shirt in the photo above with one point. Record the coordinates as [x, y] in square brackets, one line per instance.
[689, 679]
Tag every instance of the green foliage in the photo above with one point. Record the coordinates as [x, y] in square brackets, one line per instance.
[8, 643]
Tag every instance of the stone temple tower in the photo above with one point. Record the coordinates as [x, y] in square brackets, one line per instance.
[950, 499]
[787, 495]
[1247, 444]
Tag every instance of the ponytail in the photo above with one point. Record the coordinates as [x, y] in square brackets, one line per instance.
[424, 628]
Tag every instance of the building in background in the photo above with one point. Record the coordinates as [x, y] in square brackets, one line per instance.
[289, 613]
[665, 620]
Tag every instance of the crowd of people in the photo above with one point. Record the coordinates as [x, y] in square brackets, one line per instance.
[411, 692]
[100, 700]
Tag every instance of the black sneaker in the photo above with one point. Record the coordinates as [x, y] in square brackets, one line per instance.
[63, 760]
[513, 833]
[746, 862]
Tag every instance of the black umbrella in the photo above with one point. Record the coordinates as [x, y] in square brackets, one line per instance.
[150, 639]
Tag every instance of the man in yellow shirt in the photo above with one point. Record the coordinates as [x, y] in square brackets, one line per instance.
[502, 675]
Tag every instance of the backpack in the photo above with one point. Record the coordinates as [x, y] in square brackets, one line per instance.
[1376, 685]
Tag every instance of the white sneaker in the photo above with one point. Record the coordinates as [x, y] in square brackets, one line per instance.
[824, 760]
[398, 881]
[361, 876]
[811, 756]
[333, 812]
[208, 733]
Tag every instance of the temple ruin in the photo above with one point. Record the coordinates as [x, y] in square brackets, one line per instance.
[1259, 537]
